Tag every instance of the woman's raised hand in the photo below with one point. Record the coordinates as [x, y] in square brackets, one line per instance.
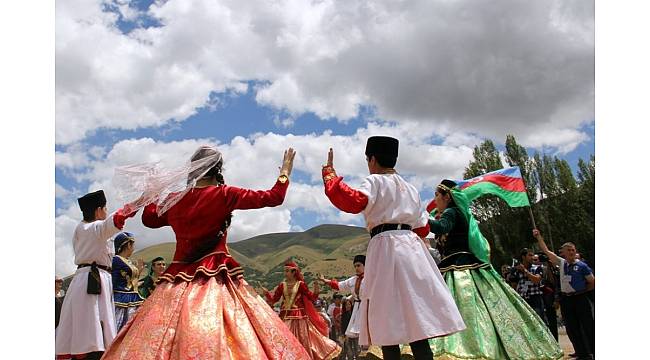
[330, 158]
[287, 162]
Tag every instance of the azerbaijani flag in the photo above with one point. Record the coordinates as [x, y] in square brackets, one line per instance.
[505, 183]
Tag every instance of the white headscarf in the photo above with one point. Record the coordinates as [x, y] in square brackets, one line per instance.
[151, 183]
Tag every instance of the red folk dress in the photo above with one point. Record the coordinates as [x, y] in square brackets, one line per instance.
[307, 326]
[203, 308]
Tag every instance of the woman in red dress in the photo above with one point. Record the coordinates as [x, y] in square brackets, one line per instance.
[202, 307]
[299, 314]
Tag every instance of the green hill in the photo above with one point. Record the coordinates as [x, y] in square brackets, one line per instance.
[166, 250]
[323, 238]
[324, 249]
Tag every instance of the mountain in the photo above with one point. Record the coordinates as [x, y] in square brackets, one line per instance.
[324, 249]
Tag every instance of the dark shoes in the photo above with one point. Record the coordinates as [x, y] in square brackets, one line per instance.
[581, 357]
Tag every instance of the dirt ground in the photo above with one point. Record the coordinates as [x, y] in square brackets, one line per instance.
[565, 344]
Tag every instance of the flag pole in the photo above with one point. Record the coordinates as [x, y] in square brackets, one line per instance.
[530, 206]
[532, 218]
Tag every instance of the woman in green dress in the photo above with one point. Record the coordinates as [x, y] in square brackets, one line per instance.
[500, 324]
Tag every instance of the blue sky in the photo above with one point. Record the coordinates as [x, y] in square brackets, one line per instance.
[252, 118]
[141, 82]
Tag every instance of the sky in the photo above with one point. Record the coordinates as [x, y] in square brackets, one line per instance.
[143, 81]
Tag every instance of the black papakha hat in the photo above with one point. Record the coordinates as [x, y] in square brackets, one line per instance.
[92, 201]
[359, 259]
[382, 145]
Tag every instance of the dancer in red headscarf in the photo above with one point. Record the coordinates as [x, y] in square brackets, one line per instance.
[299, 314]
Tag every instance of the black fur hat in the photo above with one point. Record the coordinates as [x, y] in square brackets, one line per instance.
[382, 145]
[92, 201]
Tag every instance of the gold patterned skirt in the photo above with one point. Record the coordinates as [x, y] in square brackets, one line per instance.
[206, 318]
[318, 346]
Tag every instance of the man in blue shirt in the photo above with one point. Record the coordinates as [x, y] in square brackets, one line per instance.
[576, 281]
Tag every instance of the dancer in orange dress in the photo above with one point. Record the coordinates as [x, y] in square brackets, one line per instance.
[299, 314]
[202, 307]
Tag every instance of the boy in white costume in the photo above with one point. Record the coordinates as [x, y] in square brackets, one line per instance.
[353, 285]
[404, 297]
[87, 324]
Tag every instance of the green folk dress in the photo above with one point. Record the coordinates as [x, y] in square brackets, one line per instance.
[500, 324]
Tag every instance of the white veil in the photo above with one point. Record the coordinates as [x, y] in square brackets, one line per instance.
[152, 183]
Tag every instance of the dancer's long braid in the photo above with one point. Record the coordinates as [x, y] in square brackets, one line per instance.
[216, 172]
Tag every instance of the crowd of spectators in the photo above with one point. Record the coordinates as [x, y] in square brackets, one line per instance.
[564, 282]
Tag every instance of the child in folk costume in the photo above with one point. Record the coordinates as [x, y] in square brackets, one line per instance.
[404, 298]
[353, 285]
[125, 280]
[87, 324]
[156, 268]
[300, 315]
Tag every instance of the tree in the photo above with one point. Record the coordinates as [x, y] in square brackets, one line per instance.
[563, 207]
[587, 199]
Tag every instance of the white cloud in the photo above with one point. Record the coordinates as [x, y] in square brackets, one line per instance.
[488, 68]
[60, 192]
[64, 253]
[249, 223]
[74, 156]
[253, 163]
[563, 139]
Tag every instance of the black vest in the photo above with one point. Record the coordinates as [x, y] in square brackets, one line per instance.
[456, 239]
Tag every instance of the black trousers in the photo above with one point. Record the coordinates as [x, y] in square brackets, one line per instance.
[96, 355]
[537, 303]
[578, 315]
[551, 315]
[420, 348]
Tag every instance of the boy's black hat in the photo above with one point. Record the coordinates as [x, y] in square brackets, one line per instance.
[92, 201]
[382, 145]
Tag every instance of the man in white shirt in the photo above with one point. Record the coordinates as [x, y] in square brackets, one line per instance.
[576, 282]
[353, 285]
[404, 298]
